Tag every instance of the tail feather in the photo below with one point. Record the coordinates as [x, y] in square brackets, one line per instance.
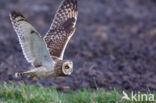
[19, 75]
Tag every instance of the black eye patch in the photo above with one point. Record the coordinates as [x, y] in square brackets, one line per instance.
[66, 67]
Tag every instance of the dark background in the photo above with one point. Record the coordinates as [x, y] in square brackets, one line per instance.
[114, 45]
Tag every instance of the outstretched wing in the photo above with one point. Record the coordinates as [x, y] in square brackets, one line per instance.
[62, 28]
[33, 46]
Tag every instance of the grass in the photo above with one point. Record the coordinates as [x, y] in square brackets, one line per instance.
[22, 93]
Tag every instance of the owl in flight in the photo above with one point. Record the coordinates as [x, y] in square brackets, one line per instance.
[46, 54]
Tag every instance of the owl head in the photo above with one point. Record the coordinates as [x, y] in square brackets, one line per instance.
[67, 67]
[63, 68]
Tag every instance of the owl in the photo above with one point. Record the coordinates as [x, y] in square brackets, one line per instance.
[46, 54]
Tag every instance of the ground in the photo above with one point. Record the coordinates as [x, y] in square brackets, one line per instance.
[114, 45]
[22, 93]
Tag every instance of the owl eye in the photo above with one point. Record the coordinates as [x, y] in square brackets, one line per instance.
[66, 67]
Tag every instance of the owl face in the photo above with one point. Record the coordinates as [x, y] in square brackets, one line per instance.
[67, 67]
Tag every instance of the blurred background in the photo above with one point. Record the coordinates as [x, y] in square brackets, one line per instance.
[114, 46]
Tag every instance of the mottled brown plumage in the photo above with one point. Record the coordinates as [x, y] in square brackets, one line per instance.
[62, 28]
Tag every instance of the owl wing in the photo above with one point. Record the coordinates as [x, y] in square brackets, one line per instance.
[33, 46]
[62, 28]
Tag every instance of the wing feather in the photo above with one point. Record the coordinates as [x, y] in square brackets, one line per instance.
[62, 28]
[33, 46]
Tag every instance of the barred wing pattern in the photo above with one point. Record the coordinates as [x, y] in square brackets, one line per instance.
[33, 46]
[62, 28]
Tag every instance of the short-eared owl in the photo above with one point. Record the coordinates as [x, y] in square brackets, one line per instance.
[46, 54]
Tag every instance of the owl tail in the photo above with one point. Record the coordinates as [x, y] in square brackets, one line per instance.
[19, 75]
